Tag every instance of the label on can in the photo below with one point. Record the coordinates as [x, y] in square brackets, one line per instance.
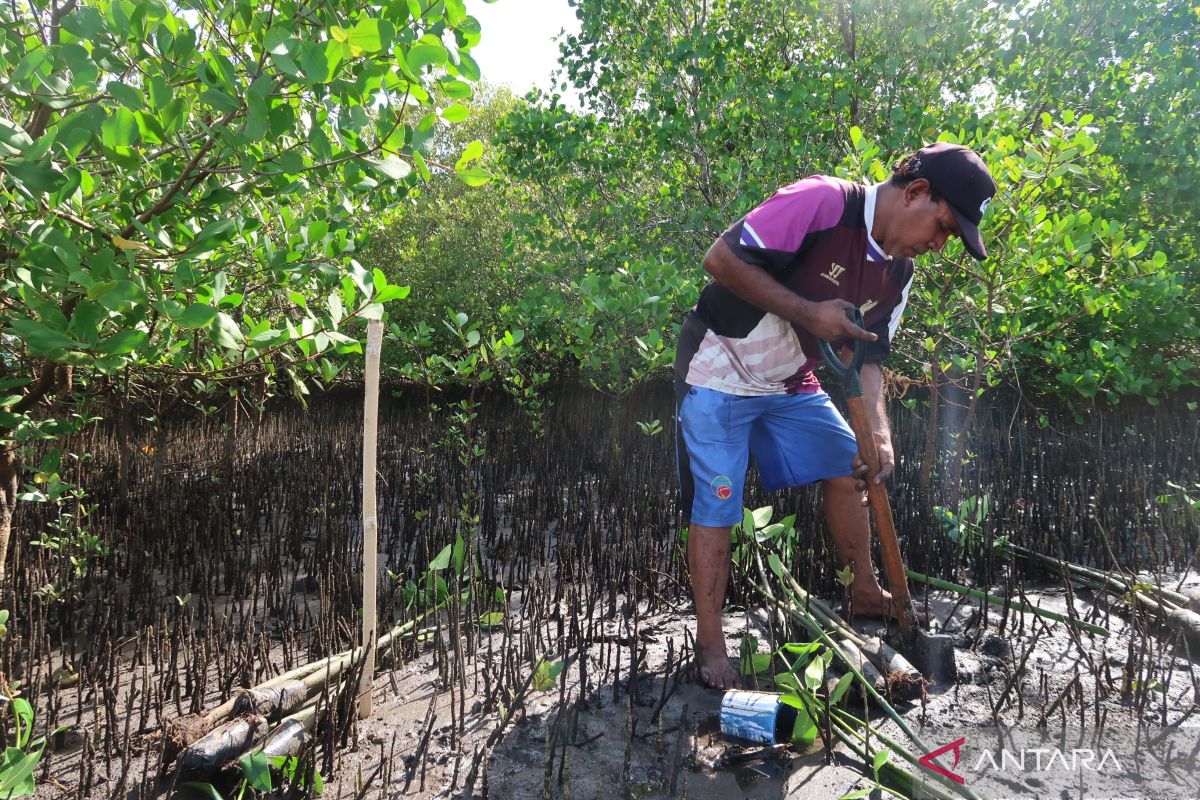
[749, 715]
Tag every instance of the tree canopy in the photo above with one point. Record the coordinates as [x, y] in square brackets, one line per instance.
[184, 187]
[697, 111]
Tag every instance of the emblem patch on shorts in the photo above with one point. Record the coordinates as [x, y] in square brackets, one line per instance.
[722, 487]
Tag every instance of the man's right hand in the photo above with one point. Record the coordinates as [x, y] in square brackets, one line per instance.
[827, 320]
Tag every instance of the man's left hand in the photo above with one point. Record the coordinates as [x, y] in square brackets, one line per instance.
[887, 464]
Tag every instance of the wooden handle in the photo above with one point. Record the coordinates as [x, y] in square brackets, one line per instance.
[885, 527]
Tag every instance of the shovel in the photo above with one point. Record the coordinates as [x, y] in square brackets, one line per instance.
[932, 654]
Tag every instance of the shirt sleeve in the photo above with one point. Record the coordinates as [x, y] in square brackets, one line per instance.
[772, 234]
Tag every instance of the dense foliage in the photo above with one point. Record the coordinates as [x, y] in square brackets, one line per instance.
[699, 110]
[188, 189]
[183, 190]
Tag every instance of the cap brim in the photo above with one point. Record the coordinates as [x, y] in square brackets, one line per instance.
[970, 235]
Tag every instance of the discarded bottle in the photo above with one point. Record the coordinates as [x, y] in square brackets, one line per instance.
[757, 717]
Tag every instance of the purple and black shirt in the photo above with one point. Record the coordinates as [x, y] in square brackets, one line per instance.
[813, 237]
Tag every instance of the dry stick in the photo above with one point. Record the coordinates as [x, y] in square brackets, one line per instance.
[369, 518]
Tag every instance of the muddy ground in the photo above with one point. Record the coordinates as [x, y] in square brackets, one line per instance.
[625, 719]
[227, 576]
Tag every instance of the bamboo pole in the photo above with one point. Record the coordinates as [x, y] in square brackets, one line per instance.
[938, 583]
[369, 518]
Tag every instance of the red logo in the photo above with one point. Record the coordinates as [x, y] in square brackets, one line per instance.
[927, 760]
[722, 487]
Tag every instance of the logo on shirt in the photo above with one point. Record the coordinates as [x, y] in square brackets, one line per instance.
[867, 306]
[835, 272]
[722, 487]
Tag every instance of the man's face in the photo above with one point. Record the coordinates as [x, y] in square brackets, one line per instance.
[925, 224]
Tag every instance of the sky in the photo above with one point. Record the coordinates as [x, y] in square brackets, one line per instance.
[518, 46]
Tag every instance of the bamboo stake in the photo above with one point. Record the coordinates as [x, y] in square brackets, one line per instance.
[369, 516]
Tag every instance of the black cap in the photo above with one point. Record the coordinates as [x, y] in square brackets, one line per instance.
[959, 176]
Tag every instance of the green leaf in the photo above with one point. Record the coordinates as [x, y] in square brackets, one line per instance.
[804, 732]
[775, 564]
[23, 712]
[458, 554]
[16, 772]
[13, 138]
[842, 686]
[441, 560]
[545, 675]
[492, 619]
[426, 54]
[858, 794]
[756, 664]
[474, 176]
[392, 292]
[391, 167]
[366, 35]
[257, 769]
[814, 674]
[114, 295]
[220, 99]
[455, 113]
[454, 88]
[125, 341]
[204, 789]
[35, 177]
[85, 22]
[762, 516]
[120, 129]
[126, 95]
[197, 315]
[471, 152]
[787, 681]
[801, 648]
[467, 67]
[226, 332]
[40, 339]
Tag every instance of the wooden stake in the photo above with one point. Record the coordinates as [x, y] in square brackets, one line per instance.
[369, 521]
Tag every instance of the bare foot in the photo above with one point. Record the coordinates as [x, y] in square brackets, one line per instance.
[715, 670]
[878, 603]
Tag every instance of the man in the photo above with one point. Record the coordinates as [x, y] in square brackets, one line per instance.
[784, 276]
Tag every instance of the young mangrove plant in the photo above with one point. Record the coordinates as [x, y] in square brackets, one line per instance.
[808, 683]
[23, 754]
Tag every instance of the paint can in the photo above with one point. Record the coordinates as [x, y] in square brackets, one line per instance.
[756, 717]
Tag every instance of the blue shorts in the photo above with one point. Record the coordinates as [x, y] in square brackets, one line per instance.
[795, 439]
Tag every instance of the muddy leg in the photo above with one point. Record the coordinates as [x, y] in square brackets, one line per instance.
[708, 564]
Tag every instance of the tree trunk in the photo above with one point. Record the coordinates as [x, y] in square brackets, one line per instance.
[10, 484]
